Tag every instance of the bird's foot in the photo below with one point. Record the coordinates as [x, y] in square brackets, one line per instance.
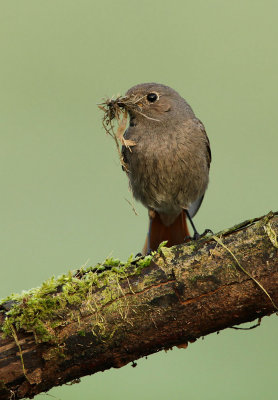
[197, 235]
[140, 255]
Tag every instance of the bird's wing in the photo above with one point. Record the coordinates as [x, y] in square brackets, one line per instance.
[202, 128]
[194, 207]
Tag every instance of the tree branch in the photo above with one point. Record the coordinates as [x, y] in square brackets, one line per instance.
[112, 314]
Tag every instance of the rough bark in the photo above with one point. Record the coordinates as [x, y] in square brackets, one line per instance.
[186, 292]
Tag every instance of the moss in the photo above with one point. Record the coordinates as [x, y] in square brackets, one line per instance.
[3, 385]
[260, 222]
[144, 262]
[42, 310]
[232, 270]
[166, 252]
[161, 246]
[192, 246]
[194, 278]
[149, 280]
[53, 352]
[264, 220]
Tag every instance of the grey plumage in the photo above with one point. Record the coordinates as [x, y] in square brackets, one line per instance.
[168, 168]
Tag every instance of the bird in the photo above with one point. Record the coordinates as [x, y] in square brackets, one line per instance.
[168, 163]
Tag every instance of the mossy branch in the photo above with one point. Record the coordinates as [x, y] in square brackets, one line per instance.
[112, 314]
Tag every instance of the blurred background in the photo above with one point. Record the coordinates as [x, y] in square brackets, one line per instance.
[63, 193]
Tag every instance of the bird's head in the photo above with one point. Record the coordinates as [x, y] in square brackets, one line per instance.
[156, 102]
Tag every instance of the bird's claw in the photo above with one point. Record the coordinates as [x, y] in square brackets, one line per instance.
[198, 236]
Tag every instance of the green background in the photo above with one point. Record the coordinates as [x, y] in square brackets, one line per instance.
[62, 189]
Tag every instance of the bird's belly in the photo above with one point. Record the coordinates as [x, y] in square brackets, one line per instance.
[166, 181]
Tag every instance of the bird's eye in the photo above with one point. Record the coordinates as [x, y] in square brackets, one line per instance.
[152, 97]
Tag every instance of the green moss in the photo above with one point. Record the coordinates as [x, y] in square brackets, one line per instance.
[149, 280]
[161, 246]
[144, 262]
[113, 262]
[3, 385]
[194, 278]
[166, 252]
[191, 246]
[53, 352]
[42, 310]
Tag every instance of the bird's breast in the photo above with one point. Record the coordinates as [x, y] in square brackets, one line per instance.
[163, 171]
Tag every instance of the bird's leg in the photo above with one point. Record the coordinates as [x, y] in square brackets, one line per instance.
[196, 234]
[151, 217]
[147, 246]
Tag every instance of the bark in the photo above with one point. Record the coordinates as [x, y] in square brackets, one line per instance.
[122, 314]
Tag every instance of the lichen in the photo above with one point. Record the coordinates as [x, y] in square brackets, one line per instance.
[193, 279]
[271, 234]
[219, 240]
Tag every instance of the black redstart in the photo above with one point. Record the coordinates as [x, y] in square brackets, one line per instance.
[168, 167]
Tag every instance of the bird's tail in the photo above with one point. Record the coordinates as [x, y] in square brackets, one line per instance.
[176, 233]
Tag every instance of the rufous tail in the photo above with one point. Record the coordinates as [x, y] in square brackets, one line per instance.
[176, 233]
